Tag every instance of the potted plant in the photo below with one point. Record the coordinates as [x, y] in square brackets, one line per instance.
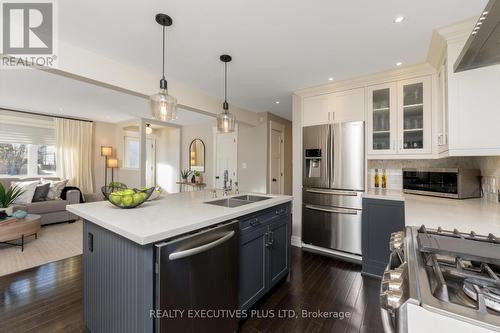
[198, 179]
[7, 197]
[185, 175]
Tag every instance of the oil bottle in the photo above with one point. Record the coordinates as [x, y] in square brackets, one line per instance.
[384, 179]
[377, 179]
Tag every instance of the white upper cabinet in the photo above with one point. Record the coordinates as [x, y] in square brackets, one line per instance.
[381, 119]
[348, 105]
[414, 116]
[316, 110]
[473, 108]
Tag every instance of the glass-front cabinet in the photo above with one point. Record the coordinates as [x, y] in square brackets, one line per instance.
[399, 118]
[382, 119]
[414, 116]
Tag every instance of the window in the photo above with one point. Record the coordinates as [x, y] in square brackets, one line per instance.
[131, 154]
[18, 159]
[46, 160]
[13, 159]
[27, 145]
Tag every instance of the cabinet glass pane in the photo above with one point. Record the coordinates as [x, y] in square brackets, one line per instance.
[381, 105]
[413, 116]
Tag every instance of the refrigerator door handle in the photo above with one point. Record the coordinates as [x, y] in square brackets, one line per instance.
[199, 249]
[333, 192]
[333, 210]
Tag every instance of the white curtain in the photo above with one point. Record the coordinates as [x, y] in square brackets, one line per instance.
[74, 152]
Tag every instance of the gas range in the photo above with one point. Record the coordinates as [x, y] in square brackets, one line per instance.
[443, 276]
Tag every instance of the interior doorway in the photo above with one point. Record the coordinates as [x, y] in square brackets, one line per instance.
[276, 157]
[150, 162]
[225, 157]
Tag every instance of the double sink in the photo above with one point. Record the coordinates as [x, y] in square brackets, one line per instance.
[237, 201]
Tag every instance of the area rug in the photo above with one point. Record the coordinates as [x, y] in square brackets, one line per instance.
[55, 242]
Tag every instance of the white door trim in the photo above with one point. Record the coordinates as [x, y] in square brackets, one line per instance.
[281, 128]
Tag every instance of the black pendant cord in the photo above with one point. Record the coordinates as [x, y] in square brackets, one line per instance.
[163, 81]
[163, 55]
[225, 106]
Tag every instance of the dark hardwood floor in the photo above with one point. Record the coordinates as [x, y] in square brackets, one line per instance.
[48, 298]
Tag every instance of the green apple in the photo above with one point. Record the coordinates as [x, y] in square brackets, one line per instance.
[127, 200]
[115, 198]
[128, 191]
[138, 198]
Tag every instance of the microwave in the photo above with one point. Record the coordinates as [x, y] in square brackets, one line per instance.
[456, 183]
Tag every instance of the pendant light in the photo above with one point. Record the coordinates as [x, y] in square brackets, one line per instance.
[163, 106]
[225, 120]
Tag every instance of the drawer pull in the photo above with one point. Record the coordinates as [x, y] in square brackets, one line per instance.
[334, 192]
[254, 222]
[333, 210]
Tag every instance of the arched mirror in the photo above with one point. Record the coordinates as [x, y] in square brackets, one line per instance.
[197, 156]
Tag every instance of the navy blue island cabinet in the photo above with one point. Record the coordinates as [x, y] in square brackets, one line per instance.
[119, 274]
[381, 217]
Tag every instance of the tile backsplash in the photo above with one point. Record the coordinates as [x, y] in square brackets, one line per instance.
[489, 166]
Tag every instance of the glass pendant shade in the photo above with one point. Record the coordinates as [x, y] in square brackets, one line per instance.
[163, 106]
[225, 122]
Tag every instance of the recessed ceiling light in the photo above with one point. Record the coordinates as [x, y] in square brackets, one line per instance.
[330, 79]
[399, 19]
[485, 13]
[277, 102]
[399, 63]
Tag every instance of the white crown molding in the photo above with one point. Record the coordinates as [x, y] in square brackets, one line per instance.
[368, 80]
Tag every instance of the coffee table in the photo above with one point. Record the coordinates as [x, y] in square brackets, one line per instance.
[19, 229]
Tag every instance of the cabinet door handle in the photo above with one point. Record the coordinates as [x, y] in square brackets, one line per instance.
[266, 239]
[254, 222]
[271, 236]
[91, 241]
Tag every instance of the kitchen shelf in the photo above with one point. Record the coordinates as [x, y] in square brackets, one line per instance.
[381, 132]
[382, 109]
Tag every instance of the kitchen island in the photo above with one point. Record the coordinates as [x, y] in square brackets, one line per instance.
[241, 251]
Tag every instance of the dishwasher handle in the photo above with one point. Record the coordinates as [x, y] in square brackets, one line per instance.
[199, 249]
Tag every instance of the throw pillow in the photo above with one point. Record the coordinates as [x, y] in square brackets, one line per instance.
[28, 188]
[41, 192]
[56, 187]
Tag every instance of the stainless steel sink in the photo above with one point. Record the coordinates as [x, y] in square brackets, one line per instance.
[237, 201]
[230, 203]
[253, 198]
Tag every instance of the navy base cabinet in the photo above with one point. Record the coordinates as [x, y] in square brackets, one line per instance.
[265, 252]
[380, 219]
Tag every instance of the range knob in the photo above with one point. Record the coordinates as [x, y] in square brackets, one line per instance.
[394, 299]
[392, 274]
[392, 285]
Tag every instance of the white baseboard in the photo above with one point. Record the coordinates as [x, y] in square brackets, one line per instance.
[296, 241]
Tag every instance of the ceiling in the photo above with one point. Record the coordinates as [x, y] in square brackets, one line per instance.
[43, 92]
[277, 46]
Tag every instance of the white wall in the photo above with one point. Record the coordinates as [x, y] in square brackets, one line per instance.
[252, 156]
[204, 132]
[168, 158]
[104, 135]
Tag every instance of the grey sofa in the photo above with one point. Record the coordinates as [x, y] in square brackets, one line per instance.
[51, 211]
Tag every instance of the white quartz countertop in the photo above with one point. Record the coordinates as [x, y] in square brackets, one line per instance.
[384, 194]
[169, 216]
[479, 215]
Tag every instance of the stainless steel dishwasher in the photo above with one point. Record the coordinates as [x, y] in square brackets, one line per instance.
[198, 272]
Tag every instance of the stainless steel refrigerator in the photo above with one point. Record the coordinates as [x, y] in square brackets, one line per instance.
[333, 182]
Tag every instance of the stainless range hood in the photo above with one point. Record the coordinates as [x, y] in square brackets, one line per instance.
[483, 46]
